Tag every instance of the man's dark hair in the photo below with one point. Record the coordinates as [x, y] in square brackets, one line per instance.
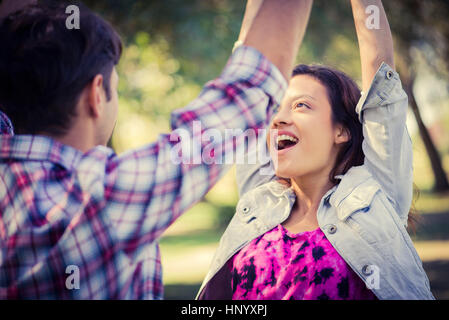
[44, 66]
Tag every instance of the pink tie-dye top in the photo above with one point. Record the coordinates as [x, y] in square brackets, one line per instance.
[304, 266]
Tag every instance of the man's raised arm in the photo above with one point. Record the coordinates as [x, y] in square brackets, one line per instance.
[276, 28]
[244, 97]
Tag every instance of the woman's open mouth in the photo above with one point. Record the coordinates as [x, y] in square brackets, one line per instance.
[285, 141]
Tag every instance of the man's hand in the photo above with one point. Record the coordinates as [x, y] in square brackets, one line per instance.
[276, 28]
[9, 6]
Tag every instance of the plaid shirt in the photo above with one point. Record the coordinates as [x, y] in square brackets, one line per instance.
[93, 219]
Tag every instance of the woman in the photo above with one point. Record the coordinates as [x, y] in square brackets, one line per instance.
[337, 230]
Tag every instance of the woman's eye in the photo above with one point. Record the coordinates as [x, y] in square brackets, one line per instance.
[300, 105]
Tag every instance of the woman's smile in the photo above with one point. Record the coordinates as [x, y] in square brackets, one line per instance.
[285, 141]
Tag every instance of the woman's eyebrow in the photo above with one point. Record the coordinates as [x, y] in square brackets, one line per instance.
[302, 96]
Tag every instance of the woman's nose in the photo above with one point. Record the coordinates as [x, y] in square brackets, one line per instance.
[282, 117]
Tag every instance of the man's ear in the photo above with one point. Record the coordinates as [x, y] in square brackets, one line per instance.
[96, 96]
[342, 134]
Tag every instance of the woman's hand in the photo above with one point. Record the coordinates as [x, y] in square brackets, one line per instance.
[376, 43]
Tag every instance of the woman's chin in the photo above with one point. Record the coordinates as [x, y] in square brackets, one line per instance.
[287, 173]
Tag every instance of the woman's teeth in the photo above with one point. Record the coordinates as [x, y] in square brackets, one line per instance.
[286, 137]
[285, 141]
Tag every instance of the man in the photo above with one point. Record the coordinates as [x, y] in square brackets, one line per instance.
[76, 220]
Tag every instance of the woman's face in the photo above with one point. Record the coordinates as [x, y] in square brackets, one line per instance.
[306, 142]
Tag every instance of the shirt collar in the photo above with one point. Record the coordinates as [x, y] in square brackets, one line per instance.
[38, 148]
[5, 125]
[327, 196]
[280, 189]
[352, 178]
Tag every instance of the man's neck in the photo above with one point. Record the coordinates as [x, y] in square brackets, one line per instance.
[80, 139]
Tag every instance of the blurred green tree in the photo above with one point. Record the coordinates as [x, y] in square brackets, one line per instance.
[422, 26]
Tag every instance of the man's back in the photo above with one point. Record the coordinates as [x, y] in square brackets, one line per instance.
[56, 232]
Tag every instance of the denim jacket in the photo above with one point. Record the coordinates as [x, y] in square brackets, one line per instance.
[364, 216]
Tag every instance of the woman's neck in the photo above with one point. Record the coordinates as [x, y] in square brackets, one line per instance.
[309, 191]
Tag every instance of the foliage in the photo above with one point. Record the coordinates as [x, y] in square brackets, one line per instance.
[150, 87]
[422, 25]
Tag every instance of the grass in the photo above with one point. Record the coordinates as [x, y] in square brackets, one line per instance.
[187, 247]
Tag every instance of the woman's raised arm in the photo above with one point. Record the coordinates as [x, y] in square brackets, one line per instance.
[383, 108]
[374, 37]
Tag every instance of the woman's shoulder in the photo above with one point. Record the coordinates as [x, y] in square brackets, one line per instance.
[355, 179]
[357, 191]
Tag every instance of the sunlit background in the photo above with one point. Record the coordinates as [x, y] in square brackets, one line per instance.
[173, 47]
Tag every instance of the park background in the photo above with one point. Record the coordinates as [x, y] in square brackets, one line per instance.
[173, 47]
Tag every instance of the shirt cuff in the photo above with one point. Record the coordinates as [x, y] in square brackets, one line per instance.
[381, 91]
[249, 65]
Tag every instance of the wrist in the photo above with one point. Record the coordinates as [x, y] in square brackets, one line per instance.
[237, 44]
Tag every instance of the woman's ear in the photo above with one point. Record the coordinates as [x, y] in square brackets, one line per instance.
[342, 134]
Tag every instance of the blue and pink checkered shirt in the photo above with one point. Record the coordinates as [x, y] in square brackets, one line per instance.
[97, 216]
